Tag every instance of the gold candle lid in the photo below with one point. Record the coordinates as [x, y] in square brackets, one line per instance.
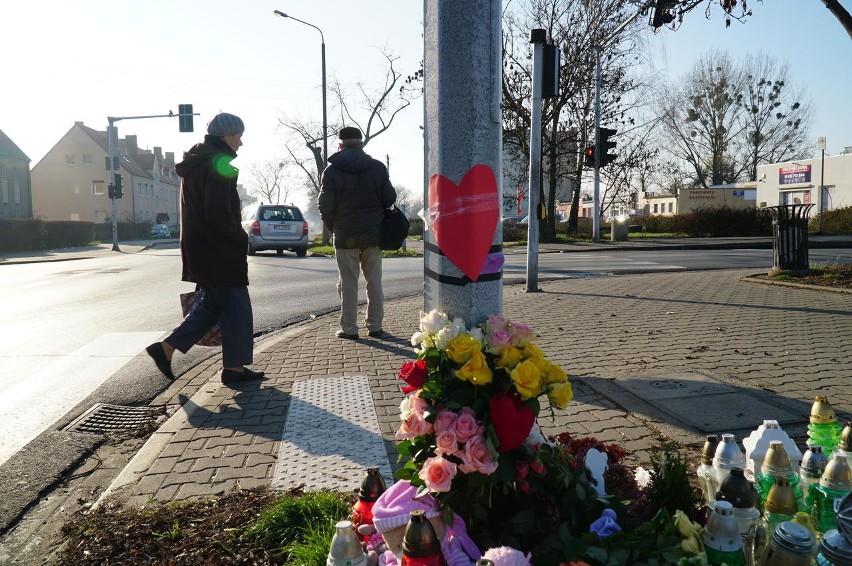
[821, 411]
[780, 498]
[837, 474]
[845, 443]
[777, 462]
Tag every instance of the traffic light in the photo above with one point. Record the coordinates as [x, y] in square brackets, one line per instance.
[590, 156]
[117, 189]
[603, 135]
[550, 71]
[185, 117]
[663, 13]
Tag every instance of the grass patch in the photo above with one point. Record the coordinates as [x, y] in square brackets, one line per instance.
[258, 527]
[319, 249]
[823, 274]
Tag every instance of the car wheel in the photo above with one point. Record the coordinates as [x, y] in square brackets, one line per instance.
[279, 252]
[301, 252]
[251, 250]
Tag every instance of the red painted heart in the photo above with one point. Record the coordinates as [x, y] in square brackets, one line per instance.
[512, 420]
[464, 217]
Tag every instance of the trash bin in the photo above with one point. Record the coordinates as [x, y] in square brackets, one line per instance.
[790, 239]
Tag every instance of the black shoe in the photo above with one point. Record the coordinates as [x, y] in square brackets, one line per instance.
[341, 334]
[231, 376]
[157, 353]
[380, 334]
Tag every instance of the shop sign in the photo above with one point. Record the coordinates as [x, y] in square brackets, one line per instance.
[794, 175]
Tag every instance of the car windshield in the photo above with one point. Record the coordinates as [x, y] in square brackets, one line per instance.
[280, 213]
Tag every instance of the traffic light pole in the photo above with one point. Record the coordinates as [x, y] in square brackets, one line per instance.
[537, 38]
[596, 202]
[596, 220]
[112, 147]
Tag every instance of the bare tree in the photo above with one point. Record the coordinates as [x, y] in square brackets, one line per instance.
[378, 107]
[776, 117]
[411, 202]
[266, 181]
[726, 119]
[739, 10]
[575, 26]
[702, 118]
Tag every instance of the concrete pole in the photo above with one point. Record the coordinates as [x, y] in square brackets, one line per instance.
[112, 143]
[537, 38]
[462, 80]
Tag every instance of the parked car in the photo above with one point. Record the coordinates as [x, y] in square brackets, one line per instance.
[276, 227]
[511, 219]
[160, 231]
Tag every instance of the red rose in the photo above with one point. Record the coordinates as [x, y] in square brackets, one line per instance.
[414, 374]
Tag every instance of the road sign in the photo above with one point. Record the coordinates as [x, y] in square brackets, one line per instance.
[821, 142]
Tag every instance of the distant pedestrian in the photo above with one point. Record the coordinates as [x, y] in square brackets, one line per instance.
[213, 246]
[356, 189]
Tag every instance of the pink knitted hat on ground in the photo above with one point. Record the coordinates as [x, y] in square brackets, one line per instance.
[393, 507]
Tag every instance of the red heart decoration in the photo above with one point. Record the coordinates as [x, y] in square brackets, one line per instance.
[464, 217]
[512, 420]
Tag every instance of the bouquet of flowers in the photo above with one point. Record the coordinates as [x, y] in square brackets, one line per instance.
[468, 432]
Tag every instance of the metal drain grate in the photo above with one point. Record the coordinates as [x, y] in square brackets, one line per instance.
[106, 418]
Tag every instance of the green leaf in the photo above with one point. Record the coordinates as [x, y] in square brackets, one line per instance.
[523, 521]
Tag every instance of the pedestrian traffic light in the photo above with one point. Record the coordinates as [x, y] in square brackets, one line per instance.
[663, 13]
[590, 156]
[185, 117]
[118, 186]
[606, 144]
[550, 71]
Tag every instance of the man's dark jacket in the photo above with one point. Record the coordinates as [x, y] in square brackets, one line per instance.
[355, 191]
[213, 244]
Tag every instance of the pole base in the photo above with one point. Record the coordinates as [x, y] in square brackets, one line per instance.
[791, 272]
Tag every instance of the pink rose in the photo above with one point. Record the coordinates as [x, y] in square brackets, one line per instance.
[438, 473]
[466, 425]
[495, 323]
[522, 469]
[446, 442]
[521, 333]
[412, 426]
[477, 457]
[446, 420]
[537, 467]
[413, 404]
[497, 342]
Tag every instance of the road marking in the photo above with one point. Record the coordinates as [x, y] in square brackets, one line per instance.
[34, 403]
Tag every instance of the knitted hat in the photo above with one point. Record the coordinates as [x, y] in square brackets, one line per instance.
[393, 507]
[350, 133]
[224, 124]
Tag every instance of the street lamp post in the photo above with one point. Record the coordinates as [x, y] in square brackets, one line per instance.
[324, 112]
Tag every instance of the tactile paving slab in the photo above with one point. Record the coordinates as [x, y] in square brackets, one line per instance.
[331, 436]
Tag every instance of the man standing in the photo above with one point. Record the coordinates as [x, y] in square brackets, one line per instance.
[355, 192]
[213, 246]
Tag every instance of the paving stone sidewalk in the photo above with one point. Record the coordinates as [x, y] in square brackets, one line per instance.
[654, 358]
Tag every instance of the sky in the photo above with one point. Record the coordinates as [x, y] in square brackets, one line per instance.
[90, 59]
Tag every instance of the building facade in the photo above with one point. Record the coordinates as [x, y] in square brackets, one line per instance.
[71, 181]
[15, 188]
[799, 182]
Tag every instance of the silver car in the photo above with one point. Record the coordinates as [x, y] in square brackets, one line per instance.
[276, 227]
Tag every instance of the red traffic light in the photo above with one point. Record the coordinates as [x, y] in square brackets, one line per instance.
[590, 156]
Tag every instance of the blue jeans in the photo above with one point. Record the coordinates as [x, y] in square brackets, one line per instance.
[231, 307]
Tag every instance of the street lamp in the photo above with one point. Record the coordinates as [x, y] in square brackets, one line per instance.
[324, 114]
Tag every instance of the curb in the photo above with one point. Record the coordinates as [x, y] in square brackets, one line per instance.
[756, 278]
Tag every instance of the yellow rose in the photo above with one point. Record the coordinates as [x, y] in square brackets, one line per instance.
[685, 527]
[556, 375]
[527, 379]
[691, 545]
[510, 358]
[560, 393]
[462, 347]
[542, 364]
[476, 369]
[532, 351]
